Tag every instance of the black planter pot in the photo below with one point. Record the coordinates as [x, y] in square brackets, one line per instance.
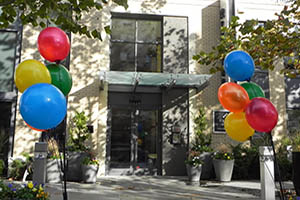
[74, 161]
[296, 171]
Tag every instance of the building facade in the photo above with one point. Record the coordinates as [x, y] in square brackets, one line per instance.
[140, 85]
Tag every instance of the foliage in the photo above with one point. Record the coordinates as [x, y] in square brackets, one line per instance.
[2, 166]
[25, 192]
[53, 150]
[295, 141]
[79, 132]
[202, 140]
[4, 136]
[194, 158]
[18, 167]
[278, 38]
[224, 152]
[90, 159]
[6, 192]
[246, 162]
[67, 14]
[223, 155]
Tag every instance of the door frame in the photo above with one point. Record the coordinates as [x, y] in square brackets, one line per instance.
[133, 142]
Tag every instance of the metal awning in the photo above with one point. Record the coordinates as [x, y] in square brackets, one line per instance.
[162, 80]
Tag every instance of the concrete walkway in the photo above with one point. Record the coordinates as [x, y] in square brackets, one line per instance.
[160, 188]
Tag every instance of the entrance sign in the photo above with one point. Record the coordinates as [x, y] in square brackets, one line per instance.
[218, 120]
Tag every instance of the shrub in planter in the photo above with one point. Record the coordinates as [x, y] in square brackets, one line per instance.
[194, 165]
[89, 168]
[18, 167]
[223, 162]
[77, 147]
[202, 143]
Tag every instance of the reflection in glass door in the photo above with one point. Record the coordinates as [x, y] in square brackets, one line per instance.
[134, 141]
[120, 138]
[147, 121]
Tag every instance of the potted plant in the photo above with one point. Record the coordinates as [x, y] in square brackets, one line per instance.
[194, 165]
[77, 147]
[296, 161]
[223, 162]
[89, 168]
[202, 143]
[53, 168]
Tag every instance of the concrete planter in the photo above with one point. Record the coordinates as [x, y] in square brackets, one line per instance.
[296, 171]
[89, 173]
[53, 171]
[207, 166]
[223, 169]
[194, 173]
[74, 165]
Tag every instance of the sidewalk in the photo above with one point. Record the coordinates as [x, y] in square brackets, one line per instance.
[157, 188]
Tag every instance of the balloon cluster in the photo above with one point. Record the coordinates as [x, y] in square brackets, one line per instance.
[43, 103]
[249, 109]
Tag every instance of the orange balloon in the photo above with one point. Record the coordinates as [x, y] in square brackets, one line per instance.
[233, 97]
[34, 128]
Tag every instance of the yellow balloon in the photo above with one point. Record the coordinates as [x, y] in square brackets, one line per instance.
[30, 72]
[237, 127]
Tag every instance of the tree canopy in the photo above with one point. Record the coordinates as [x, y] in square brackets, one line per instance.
[266, 42]
[66, 14]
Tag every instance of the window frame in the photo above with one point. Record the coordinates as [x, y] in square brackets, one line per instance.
[12, 96]
[138, 17]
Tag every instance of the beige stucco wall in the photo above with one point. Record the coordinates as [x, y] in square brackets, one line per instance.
[25, 137]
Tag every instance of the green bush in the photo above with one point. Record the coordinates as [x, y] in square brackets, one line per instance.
[17, 169]
[202, 140]
[2, 167]
[285, 165]
[246, 164]
[78, 132]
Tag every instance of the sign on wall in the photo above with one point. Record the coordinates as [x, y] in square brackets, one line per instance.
[218, 120]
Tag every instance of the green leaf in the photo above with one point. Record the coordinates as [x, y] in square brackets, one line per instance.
[96, 34]
[107, 30]
[42, 24]
[121, 3]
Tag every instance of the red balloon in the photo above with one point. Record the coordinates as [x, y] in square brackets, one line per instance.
[233, 97]
[53, 44]
[261, 114]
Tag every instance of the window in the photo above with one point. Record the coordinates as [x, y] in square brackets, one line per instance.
[10, 49]
[261, 78]
[7, 59]
[136, 43]
[292, 91]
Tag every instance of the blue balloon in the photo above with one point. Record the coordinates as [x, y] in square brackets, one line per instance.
[43, 106]
[239, 65]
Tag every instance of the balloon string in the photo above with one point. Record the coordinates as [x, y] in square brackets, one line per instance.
[277, 167]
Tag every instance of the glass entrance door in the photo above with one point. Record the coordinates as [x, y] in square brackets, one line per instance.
[134, 141]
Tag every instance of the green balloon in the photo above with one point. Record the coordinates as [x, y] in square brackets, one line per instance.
[60, 77]
[253, 90]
